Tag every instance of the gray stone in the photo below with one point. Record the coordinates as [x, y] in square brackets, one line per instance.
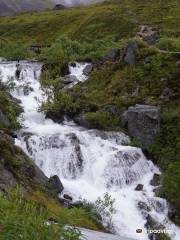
[128, 55]
[156, 180]
[88, 69]
[139, 187]
[69, 79]
[148, 34]
[143, 206]
[67, 197]
[143, 123]
[55, 184]
[27, 89]
[4, 120]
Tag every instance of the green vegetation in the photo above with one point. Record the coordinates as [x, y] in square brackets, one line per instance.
[169, 44]
[102, 120]
[10, 109]
[22, 219]
[166, 149]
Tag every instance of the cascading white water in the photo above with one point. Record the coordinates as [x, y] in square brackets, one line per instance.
[88, 162]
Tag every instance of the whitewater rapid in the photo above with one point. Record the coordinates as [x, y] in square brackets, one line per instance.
[88, 162]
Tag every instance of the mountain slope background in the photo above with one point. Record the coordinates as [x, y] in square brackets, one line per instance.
[11, 7]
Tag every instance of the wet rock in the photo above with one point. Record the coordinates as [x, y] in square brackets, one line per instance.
[128, 55]
[69, 79]
[67, 197]
[18, 70]
[156, 180]
[143, 122]
[144, 206]
[76, 143]
[4, 120]
[57, 116]
[77, 204]
[152, 224]
[148, 34]
[55, 184]
[27, 89]
[88, 69]
[65, 70]
[139, 187]
[73, 64]
[173, 214]
[159, 205]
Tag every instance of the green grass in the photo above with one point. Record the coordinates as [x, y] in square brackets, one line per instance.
[22, 219]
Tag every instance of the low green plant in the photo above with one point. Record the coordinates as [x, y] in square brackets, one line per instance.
[22, 219]
[169, 44]
[15, 51]
[102, 210]
[102, 120]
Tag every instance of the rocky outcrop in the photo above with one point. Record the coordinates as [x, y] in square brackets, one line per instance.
[156, 180]
[139, 187]
[69, 79]
[55, 184]
[88, 69]
[128, 55]
[143, 123]
[149, 34]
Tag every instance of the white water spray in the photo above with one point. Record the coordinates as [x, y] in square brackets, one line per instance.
[88, 162]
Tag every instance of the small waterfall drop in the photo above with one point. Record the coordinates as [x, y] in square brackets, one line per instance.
[88, 162]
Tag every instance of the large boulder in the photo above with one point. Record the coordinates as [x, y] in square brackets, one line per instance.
[148, 34]
[88, 69]
[69, 79]
[56, 184]
[128, 55]
[143, 123]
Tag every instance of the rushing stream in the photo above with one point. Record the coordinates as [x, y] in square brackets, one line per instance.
[88, 162]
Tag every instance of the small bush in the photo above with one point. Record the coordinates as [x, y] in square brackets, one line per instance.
[169, 44]
[102, 120]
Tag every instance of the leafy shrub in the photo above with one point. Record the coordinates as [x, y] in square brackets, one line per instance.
[15, 51]
[102, 210]
[169, 44]
[102, 120]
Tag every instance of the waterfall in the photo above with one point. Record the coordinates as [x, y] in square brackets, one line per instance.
[88, 162]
